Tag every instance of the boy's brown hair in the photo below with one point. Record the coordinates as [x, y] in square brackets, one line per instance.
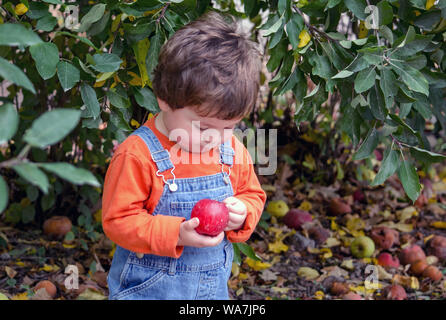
[207, 64]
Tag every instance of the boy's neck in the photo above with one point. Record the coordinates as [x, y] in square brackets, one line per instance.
[159, 124]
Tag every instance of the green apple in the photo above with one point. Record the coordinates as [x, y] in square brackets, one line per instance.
[277, 208]
[362, 247]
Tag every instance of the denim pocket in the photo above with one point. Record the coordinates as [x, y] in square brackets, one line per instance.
[137, 278]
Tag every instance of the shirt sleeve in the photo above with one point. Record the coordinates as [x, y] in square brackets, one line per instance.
[249, 191]
[125, 220]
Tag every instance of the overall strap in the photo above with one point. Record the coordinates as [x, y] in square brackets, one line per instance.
[160, 156]
[227, 153]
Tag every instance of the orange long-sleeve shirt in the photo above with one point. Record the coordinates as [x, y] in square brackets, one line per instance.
[132, 191]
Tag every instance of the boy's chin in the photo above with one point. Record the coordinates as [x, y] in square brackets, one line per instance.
[197, 148]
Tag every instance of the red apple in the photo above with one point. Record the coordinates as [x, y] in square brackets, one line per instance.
[384, 237]
[411, 254]
[213, 216]
[394, 292]
[388, 261]
[295, 218]
[437, 247]
[351, 296]
[338, 207]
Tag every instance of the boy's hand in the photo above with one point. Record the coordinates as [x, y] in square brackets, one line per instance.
[237, 213]
[190, 237]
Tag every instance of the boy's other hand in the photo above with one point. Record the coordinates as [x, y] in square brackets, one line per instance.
[237, 213]
[190, 237]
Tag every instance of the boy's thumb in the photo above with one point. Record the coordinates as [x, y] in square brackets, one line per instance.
[193, 223]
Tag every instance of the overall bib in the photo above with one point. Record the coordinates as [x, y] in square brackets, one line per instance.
[199, 273]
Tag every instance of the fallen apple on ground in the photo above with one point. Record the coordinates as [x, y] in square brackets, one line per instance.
[386, 260]
[362, 247]
[213, 216]
[295, 218]
[277, 208]
[412, 254]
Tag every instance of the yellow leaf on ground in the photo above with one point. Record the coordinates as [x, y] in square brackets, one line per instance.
[307, 273]
[319, 295]
[69, 246]
[10, 272]
[49, 268]
[305, 205]
[406, 281]
[257, 265]
[277, 247]
[439, 224]
[355, 223]
[280, 290]
[332, 242]
[243, 276]
[326, 253]
[348, 264]
[21, 296]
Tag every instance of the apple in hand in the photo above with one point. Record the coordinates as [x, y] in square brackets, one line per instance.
[362, 247]
[213, 216]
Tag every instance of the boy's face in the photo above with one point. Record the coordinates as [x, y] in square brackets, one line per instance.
[194, 133]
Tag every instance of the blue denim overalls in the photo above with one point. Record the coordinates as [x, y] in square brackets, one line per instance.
[199, 273]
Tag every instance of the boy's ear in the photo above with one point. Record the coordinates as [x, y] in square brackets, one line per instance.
[163, 105]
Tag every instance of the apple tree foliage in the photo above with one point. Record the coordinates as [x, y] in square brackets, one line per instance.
[77, 75]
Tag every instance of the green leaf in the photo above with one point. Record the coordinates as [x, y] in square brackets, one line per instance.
[152, 56]
[146, 99]
[46, 56]
[68, 75]
[140, 50]
[365, 79]
[106, 62]
[357, 7]
[31, 173]
[274, 28]
[95, 13]
[248, 251]
[4, 194]
[413, 78]
[417, 44]
[409, 179]
[15, 34]
[82, 39]
[9, 122]
[377, 102]
[425, 155]
[293, 29]
[388, 167]
[385, 13]
[70, 173]
[342, 74]
[410, 36]
[91, 101]
[51, 127]
[47, 23]
[13, 74]
[368, 145]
